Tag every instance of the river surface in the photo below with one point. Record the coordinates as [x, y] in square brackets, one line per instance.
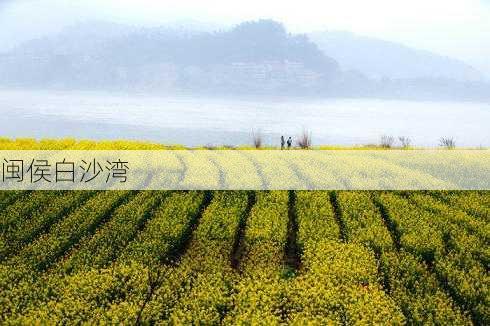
[195, 121]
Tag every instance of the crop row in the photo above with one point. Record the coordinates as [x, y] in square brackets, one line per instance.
[168, 258]
[41, 253]
[454, 216]
[170, 225]
[73, 144]
[338, 283]
[363, 222]
[407, 279]
[21, 207]
[455, 254]
[27, 227]
[99, 294]
[21, 275]
[258, 292]
[8, 197]
[103, 247]
[198, 289]
[472, 202]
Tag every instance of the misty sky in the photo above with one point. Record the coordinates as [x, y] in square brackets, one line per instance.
[456, 28]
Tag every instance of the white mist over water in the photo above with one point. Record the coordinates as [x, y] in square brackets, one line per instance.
[199, 121]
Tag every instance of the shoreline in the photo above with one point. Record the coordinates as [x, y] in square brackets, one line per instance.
[21, 143]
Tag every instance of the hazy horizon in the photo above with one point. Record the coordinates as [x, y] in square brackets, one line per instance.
[417, 70]
[454, 29]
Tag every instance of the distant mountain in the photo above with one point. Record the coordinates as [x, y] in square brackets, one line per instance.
[382, 59]
[251, 57]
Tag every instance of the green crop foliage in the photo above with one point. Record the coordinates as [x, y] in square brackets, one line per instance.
[243, 257]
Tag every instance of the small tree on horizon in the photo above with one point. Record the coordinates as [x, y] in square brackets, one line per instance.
[304, 141]
[387, 141]
[405, 141]
[447, 142]
[257, 139]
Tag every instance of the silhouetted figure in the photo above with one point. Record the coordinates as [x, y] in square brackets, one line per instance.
[290, 142]
[283, 142]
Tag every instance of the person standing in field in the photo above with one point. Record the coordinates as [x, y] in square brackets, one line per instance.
[290, 142]
[283, 142]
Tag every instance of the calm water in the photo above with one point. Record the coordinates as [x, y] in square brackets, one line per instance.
[197, 121]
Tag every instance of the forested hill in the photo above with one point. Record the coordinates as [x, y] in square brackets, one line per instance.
[252, 58]
[249, 57]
